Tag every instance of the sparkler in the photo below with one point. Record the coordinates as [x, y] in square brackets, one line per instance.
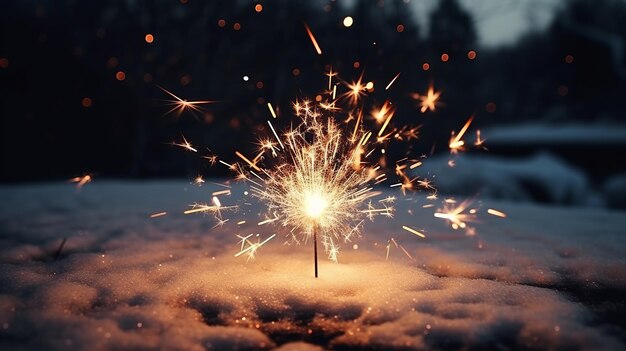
[316, 179]
[317, 188]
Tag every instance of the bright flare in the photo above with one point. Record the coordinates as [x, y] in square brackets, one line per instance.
[314, 204]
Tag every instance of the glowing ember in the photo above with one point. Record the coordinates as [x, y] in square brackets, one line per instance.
[496, 213]
[81, 181]
[317, 47]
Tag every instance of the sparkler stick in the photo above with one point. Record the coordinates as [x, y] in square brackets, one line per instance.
[315, 247]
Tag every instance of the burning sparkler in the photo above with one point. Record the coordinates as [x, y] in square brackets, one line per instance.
[318, 187]
[317, 178]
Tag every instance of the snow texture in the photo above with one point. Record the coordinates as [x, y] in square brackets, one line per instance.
[543, 278]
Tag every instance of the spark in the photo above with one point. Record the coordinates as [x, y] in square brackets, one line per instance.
[180, 105]
[158, 214]
[198, 180]
[268, 221]
[428, 101]
[415, 165]
[227, 164]
[390, 113]
[380, 114]
[206, 208]
[241, 156]
[455, 213]
[426, 184]
[269, 106]
[212, 159]
[479, 142]
[195, 208]
[276, 135]
[251, 249]
[355, 90]
[185, 145]
[392, 81]
[317, 47]
[81, 181]
[221, 192]
[456, 144]
[330, 75]
[413, 231]
[496, 213]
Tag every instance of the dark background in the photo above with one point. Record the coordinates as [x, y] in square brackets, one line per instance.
[64, 113]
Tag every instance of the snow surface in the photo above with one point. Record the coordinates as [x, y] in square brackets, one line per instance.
[543, 278]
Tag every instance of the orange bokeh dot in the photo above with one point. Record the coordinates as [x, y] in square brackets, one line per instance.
[149, 38]
[400, 28]
[491, 107]
[318, 98]
[296, 72]
[221, 23]
[445, 57]
[4, 62]
[356, 64]
[471, 54]
[86, 102]
[237, 26]
[425, 66]
[258, 7]
[120, 75]
[569, 58]
[185, 80]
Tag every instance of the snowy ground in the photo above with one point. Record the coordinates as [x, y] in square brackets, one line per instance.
[543, 278]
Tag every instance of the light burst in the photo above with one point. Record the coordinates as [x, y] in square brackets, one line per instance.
[428, 101]
[317, 185]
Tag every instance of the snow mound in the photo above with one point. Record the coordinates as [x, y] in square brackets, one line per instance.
[540, 178]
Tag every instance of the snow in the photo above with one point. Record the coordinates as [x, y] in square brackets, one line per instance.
[541, 177]
[615, 191]
[542, 278]
[541, 133]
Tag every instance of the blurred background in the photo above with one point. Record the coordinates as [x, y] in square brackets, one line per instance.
[546, 79]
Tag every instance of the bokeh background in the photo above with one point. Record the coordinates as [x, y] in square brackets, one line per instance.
[546, 80]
